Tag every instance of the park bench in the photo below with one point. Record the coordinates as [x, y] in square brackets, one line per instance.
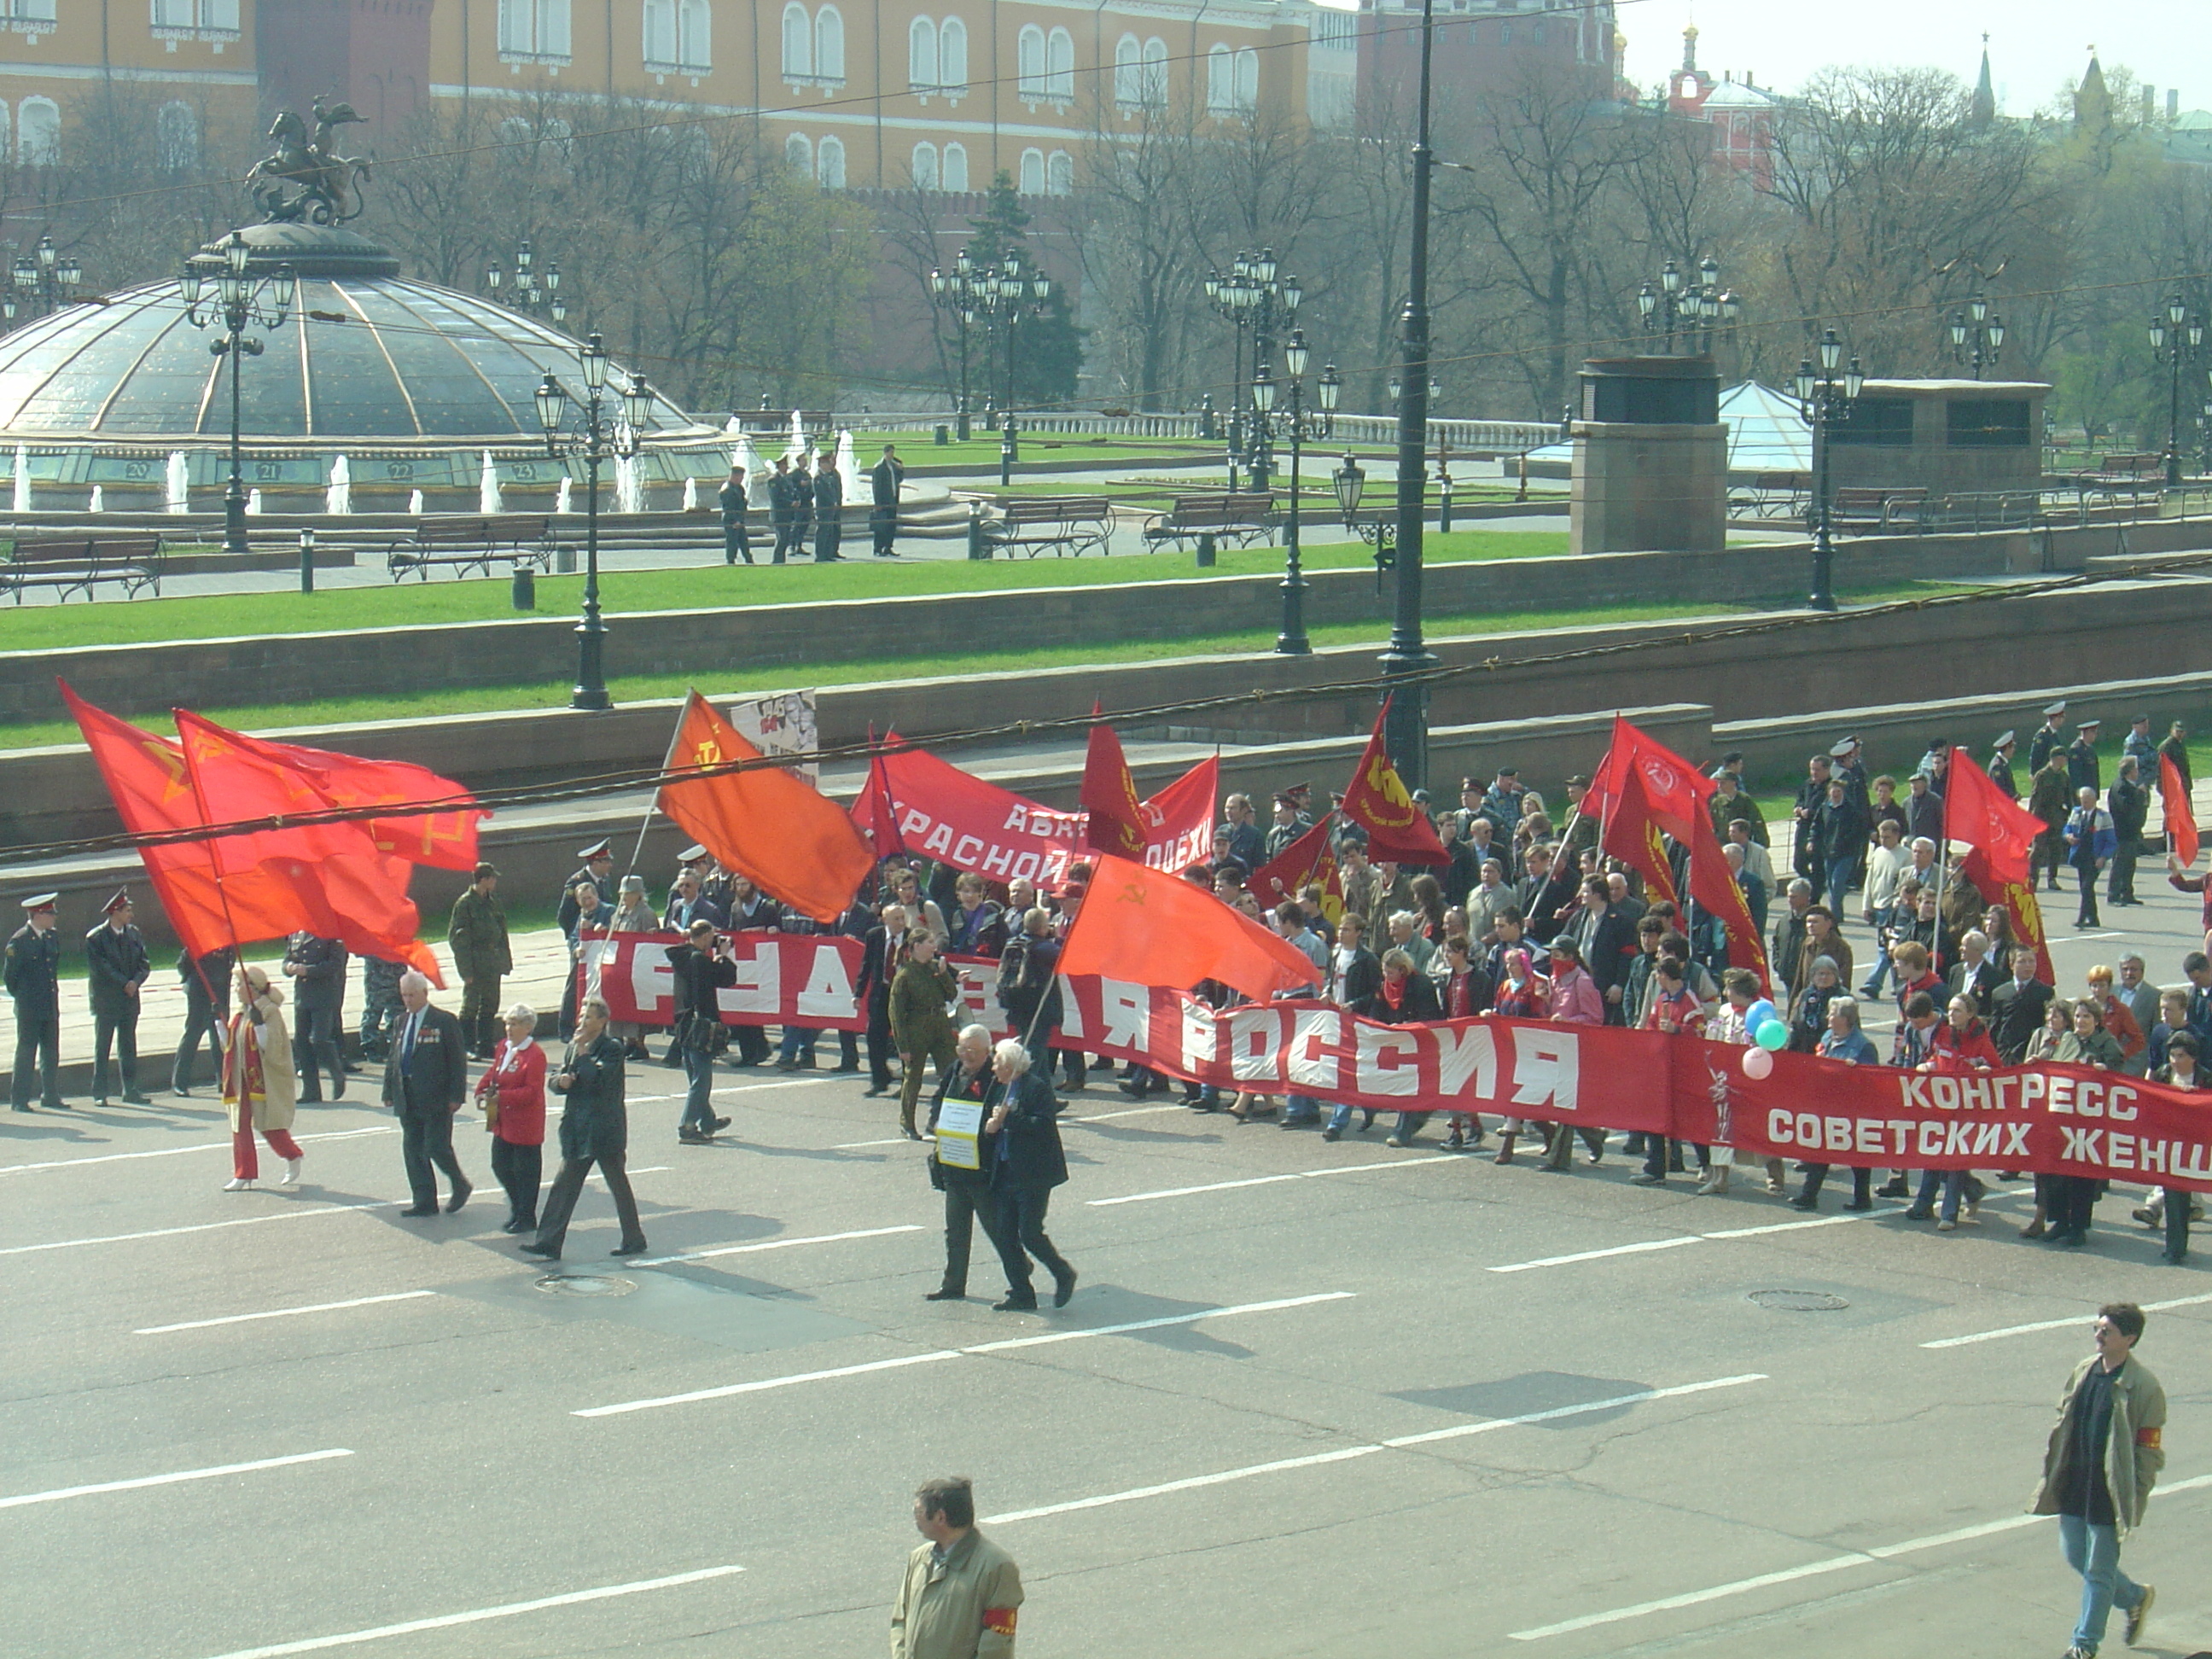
[1066, 523]
[2123, 473]
[464, 542]
[1769, 495]
[1877, 511]
[69, 562]
[1237, 517]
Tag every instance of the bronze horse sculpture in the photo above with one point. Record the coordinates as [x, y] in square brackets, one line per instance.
[307, 180]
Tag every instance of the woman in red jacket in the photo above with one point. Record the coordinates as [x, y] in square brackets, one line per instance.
[512, 1093]
[1960, 1043]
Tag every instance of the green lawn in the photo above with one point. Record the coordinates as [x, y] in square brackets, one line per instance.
[702, 587]
[552, 693]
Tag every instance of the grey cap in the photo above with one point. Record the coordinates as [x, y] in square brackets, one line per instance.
[2005, 737]
[2056, 708]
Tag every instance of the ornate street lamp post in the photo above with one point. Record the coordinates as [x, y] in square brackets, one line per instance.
[241, 299]
[1296, 424]
[1254, 295]
[593, 429]
[1695, 310]
[1977, 341]
[960, 292]
[1824, 399]
[530, 290]
[46, 280]
[2176, 338]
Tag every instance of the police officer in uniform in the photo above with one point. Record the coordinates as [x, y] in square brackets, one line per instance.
[828, 508]
[117, 964]
[731, 497]
[779, 509]
[597, 869]
[34, 978]
[802, 503]
[318, 970]
[2082, 771]
[207, 1009]
[2050, 735]
[2000, 767]
[884, 479]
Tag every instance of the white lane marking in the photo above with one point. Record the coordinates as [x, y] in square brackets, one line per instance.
[1134, 1111]
[1676, 1243]
[2070, 1322]
[443, 1622]
[172, 1151]
[774, 1244]
[854, 1146]
[282, 1313]
[1345, 1454]
[199, 1227]
[1268, 1180]
[769, 1383]
[61, 1492]
[1874, 1555]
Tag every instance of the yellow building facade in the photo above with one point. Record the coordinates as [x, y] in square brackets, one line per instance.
[179, 62]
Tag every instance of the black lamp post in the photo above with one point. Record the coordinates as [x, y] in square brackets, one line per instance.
[1976, 336]
[1296, 424]
[1693, 310]
[1824, 398]
[1255, 295]
[531, 289]
[960, 292]
[46, 280]
[241, 299]
[593, 431]
[2176, 338]
[1012, 298]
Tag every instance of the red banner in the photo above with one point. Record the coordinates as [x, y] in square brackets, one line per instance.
[797, 979]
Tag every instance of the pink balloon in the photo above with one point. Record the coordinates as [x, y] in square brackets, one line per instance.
[1758, 1063]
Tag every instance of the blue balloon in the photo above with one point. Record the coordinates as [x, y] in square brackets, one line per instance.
[1757, 1015]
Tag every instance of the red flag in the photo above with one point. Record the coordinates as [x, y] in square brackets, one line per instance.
[1308, 861]
[1179, 820]
[445, 841]
[1376, 800]
[145, 775]
[2180, 816]
[347, 887]
[771, 826]
[872, 814]
[1116, 824]
[1632, 834]
[2000, 836]
[1153, 928]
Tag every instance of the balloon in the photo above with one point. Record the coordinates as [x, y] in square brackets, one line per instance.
[1756, 1016]
[1756, 1063]
[1773, 1034]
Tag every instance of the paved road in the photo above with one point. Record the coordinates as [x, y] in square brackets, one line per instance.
[1308, 1400]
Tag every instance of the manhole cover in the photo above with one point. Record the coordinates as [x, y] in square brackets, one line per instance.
[586, 1285]
[1799, 1300]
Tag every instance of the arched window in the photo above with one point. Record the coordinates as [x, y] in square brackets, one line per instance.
[4, 129]
[39, 132]
[1155, 73]
[1059, 173]
[1128, 72]
[952, 55]
[1028, 62]
[799, 153]
[177, 137]
[798, 42]
[922, 55]
[830, 163]
[1032, 179]
[694, 34]
[829, 45]
[1248, 80]
[956, 168]
[1060, 65]
[923, 167]
[659, 34]
[1220, 81]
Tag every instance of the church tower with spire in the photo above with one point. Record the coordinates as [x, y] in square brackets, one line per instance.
[1983, 112]
[2093, 100]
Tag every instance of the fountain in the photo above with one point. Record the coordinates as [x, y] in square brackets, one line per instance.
[338, 498]
[797, 445]
[22, 499]
[561, 496]
[414, 503]
[99, 501]
[691, 494]
[253, 503]
[178, 486]
[630, 492]
[757, 475]
[847, 469]
[488, 488]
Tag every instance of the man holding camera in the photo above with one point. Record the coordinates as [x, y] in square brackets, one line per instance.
[701, 966]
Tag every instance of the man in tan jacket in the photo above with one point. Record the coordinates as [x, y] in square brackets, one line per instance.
[961, 1590]
[2104, 1454]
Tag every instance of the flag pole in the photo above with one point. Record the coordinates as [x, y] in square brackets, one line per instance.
[222, 893]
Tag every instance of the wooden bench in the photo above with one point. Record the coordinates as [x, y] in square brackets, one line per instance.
[1237, 517]
[1771, 494]
[466, 542]
[1877, 511]
[1066, 523]
[69, 562]
[2123, 473]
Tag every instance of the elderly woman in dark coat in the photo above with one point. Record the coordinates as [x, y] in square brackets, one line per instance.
[1027, 1163]
[594, 1129]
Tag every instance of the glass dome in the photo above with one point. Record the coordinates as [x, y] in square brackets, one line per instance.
[366, 357]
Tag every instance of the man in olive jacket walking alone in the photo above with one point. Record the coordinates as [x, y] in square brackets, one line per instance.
[2106, 1452]
[478, 937]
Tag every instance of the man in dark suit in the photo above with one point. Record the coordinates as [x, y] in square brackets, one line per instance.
[426, 1081]
[967, 1189]
[318, 970]
[597, 868]
[879, 965]
[594, 1129]
[117, 966]
[2017, 1008]
[884, 479]
[1026, 1164]
[828, 508]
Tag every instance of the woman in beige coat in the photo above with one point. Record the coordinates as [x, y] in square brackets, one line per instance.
[259, 1087]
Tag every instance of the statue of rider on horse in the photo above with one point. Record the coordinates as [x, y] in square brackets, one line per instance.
[307, 181]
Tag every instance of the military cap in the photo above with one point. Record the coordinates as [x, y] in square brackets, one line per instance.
[1838, 750]
[120, 902]
[2056, 708]
[695, 853]
[596, 851]
[2006, 739]
[483, 870]
[2088, 726]
[1734, 757]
